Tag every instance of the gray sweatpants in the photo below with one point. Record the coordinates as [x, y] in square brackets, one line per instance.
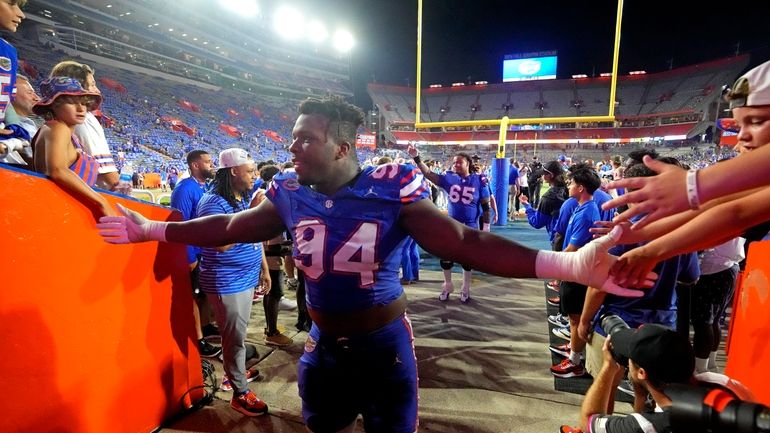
[232, 313]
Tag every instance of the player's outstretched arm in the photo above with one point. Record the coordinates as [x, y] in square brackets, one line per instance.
[450, 240]
[254, 225]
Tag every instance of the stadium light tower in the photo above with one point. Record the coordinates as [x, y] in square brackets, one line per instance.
[288, 22]
[317, 32]
[343, 41]
[245, 8]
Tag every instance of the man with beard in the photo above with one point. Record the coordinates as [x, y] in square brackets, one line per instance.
[185, 199]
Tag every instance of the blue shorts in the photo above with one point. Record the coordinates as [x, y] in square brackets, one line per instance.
[373, 375]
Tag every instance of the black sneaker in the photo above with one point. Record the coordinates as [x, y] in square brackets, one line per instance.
[207, 350]
[251, 351]
[210, 330]
[303, 326]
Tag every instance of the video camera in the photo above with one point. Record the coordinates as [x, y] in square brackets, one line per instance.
[717, 404]
[710, 409]
[612, 323]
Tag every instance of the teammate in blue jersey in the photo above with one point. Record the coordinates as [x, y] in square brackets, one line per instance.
[348, 225]
[469, 195]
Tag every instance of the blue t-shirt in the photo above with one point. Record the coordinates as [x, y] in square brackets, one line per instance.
[513, 175]
[234, 270]
[582, 219]
[565, 213]
[9, 64]
[658, 305]
[601, 197]
[185, 198]
[349, 244]
[465, 195]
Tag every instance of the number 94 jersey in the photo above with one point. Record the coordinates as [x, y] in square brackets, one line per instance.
[465, 193]
[349, 244]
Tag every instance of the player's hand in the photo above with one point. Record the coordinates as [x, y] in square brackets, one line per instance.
[7, 132]
[523, 199]
[593, 264]
[132, 227]
[655, 197]
[634, 265]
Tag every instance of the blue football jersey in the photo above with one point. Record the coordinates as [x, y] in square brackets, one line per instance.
[349, 244]
[465, 193]
[8, 65]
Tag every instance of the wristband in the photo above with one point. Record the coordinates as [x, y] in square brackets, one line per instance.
[156, 230]
[417, 159]
[692, 189]
[485, 227]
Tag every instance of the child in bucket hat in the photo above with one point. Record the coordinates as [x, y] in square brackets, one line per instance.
[57, 153]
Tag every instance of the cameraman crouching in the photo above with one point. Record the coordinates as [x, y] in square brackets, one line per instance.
[656, 356]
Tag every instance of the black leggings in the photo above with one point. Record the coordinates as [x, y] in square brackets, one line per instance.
[446, 265]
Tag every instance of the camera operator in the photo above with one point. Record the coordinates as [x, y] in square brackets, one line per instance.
[656, 357]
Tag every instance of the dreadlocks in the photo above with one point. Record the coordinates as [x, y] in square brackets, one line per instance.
[222, 185]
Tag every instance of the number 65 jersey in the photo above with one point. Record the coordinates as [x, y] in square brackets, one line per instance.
[349, 244]
[465, 193]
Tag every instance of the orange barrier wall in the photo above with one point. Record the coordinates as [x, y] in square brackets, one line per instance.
[152, 180]
[94, 337]
[750, 327]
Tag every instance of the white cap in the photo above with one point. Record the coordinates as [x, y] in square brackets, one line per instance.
[752, 89]
[233, 157]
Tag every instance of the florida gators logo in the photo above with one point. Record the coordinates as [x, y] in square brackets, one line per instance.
[310, 344]
[291, 184]
[5, 63]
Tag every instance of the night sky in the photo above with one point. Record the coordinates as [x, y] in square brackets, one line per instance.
[468, 38]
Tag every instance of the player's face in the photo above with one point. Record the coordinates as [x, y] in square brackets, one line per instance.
[460, 165]
[313, 150]
[205, 166]
[755, 126]
[10, 15]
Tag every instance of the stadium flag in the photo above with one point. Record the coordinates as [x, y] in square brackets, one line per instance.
[232, 113]
[230, 130]
[187, 105]
[178, 126]
[272, 135]
[112, 85]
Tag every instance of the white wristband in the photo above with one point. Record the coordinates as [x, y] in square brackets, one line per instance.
[692, 189]
[485, 227]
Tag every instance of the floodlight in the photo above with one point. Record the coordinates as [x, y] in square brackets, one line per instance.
[343, 41]
[317, 32]
[244, 8]
[288, 22]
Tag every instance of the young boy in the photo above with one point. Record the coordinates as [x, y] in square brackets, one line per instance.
[58, 154]
[583, 182]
